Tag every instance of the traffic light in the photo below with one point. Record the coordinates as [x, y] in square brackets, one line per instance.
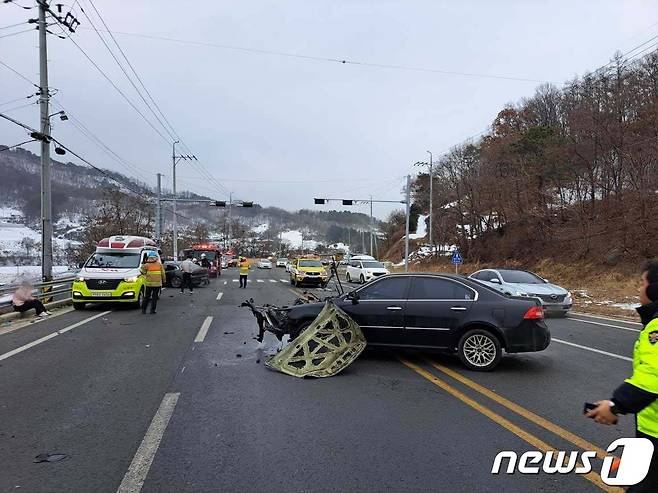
[320, 201]
[348, 202]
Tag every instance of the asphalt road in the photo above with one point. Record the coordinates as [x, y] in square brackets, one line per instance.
[180, 402]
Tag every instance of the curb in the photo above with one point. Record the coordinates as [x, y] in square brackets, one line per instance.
[14, 315]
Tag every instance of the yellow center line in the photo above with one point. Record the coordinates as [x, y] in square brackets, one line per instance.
[505, 423]
[529, 415]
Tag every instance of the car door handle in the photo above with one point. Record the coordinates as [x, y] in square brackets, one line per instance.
[458, 308]
[394, 308]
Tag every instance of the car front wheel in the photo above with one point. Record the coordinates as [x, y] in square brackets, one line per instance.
[480, 350]
[363, 279]
[347, 276]
[79, 306]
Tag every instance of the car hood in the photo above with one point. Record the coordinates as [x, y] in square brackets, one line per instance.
[538, 288]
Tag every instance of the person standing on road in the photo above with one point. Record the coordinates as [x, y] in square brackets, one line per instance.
[204, 261]
[154, 277]
[244, 271]
[639, 393]
[22, 301]
[187, 266]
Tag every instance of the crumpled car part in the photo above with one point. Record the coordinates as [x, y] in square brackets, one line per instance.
[325, 348]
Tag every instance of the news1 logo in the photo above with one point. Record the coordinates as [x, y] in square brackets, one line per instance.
[631, 468]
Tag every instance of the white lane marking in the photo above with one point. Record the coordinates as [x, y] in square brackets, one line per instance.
[235, 280]
[50, 336]
[259, 280]
[581, 314]
[141, 463]
[203, 330]
[219, 296]
[273, 280]
[225, 283]
[283, 280]
[22, 322]
[605, 325]
[606, 353]
[182, 370]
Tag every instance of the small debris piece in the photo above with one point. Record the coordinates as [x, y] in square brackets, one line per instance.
[54, 457]
[225, 333]
[238, 355]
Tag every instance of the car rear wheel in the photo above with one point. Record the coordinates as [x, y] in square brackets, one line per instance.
[79, 306]
[176, 282]
[480, 350]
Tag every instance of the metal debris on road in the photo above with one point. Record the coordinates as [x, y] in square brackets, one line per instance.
[330, 344]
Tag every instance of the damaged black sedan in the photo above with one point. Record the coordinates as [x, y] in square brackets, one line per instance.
[441, 312]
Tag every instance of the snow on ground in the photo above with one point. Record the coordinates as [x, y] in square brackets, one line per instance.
[16, 273]
[12, 234]
[294, 239]
[421, 230]
[260, 229]
[7, 212]
[339, 246]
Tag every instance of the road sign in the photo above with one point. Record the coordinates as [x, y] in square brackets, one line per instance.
[457, 258]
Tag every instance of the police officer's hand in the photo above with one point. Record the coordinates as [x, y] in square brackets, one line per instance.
[602, 413]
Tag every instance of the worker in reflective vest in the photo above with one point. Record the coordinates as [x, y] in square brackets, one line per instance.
[154, 277]
[243, 266]
[639, 394]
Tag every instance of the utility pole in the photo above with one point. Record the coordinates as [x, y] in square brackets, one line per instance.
[158, 211]
[431, 197]
[46, 204]
[406, 227]
[230, 226]
[174, 160]
[372, 227]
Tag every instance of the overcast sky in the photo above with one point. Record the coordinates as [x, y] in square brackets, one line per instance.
[280, 130]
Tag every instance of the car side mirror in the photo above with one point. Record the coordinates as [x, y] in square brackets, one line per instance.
[546, 281]
[495, 279]
[354, 296]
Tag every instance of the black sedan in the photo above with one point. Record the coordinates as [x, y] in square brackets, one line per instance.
[174, 274]
[435, 311]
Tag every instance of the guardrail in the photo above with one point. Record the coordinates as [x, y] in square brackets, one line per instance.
[56, 290]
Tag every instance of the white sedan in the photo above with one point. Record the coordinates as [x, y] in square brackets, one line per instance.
[364, 270]
[264, 264]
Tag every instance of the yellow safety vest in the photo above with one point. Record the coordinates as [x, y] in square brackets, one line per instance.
[645, 375]
[244, 268]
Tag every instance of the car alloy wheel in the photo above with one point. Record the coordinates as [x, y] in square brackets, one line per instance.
[140, 299]
[176, 282]
[347, 276]
[480, 350]
[363, 279]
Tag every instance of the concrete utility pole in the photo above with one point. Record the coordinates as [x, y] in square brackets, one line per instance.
[158, 211]
[173, 161]
[431, 197]
[230, 226]
[46, 204]
[372, 228]
[406, 227]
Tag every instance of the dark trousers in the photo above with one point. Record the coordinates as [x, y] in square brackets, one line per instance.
[151, 294]
[28, 305]
[187, 281]
[650, 482]
[243, 280]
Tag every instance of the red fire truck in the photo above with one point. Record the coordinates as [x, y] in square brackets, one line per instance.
[212, 254]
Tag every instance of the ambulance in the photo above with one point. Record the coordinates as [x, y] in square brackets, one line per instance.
[111, 274]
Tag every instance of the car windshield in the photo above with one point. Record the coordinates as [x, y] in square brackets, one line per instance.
[282, 260]
[520, 277]
[265, 261]
[373, 265]
[115, 260]
[310, 263]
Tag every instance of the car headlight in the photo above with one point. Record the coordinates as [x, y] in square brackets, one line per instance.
[568, 297]
[130, 279]
[519, 293]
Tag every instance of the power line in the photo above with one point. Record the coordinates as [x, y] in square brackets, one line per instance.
[13, 25]
[331, 59]
[18, 74]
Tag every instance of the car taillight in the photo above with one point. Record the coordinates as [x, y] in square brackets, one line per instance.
[534, 313]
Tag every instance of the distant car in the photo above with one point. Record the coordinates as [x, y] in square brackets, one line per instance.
[264, 263]
[308, 271]
[174, 275]
[224, 262]
[364, 270]
[281, 262]
[555, 299]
